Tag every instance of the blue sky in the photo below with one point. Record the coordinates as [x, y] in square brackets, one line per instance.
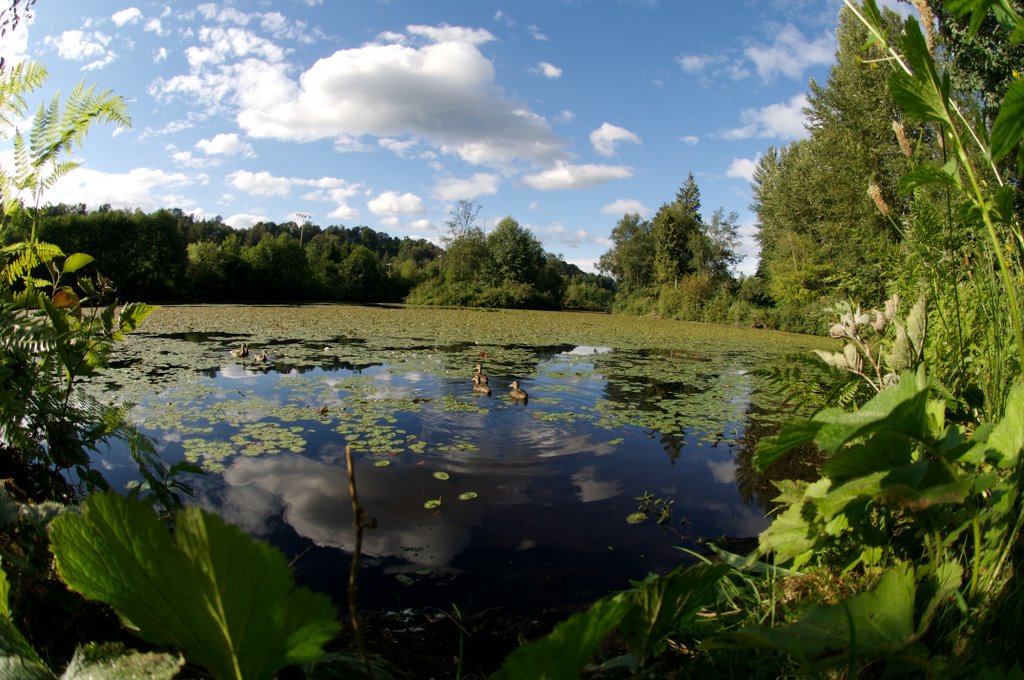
[564, 114]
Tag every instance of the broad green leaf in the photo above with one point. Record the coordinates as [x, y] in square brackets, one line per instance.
[664, 605]
[432, 503]
[900, 409]
[1008, 129]
[882, 452]
[925, 175]
[228, 601]
[565, 651]
[76, 261]
[867, 625]
[789, 536]
[443, 476]
[920, 93]
[794, 432]
[1005, 443]
[113, 662]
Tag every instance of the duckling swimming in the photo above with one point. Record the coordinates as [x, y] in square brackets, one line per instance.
[480, 387]
[241, 352]
[478, 374]
[517, 394]
[260, 357]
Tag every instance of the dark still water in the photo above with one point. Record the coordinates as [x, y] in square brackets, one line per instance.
[619, 458]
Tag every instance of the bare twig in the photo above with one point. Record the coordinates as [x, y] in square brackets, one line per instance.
[358, 517]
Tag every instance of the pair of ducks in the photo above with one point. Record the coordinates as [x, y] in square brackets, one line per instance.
[480, 385]
[243, 351]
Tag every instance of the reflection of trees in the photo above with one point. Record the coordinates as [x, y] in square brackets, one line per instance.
[757, 485]
[673, 445]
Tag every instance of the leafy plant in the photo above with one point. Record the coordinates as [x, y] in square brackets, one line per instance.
[227, 601]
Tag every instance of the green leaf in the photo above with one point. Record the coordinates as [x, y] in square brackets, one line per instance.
[1008, 129]
[794, 432]
[113, 662]
[76, 261]
[1005, 443]
[926, 174]
[920, 94]
[636, 517]
[228, 601]
[432, 503]
[443, 476]
[18, 659]
[565, 651]
[790, 536]
[667, 605]
[467, 495]
[867, 625]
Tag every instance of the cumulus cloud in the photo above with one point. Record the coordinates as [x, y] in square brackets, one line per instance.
[568, 176]
[146, 188]
[692, 140]
[626, 206]
[260, 183]
[742, 168]
[328, 189]
[791, 53]
[130, 15]
[391, 203]
[244, 220]
[221, 43]
[786, 121]
[605, 138]
[225, 144]
[548, 70]
[78, 45]
[457, 189]
[442, 92]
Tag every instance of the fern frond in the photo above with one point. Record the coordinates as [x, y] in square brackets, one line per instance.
[15, 83]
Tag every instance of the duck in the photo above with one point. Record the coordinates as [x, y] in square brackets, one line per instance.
[516, 393]
[479, 386]
[260, 357]
[241, 352]
[478, 374]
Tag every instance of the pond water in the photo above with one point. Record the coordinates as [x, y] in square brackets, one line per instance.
[634, 442]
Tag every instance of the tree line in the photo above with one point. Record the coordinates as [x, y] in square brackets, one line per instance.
[170, 256]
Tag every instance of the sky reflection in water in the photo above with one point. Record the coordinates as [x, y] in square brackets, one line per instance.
[555, 478]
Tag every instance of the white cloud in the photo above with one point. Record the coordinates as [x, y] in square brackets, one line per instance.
[244, 220]
[78, 45]
[251, 82]
[392, 203]
[260, 183]
[160, 55]
[137, 188]
[537, 35]
[504, 18]
[344, 212]
[697, 63]
[155, 26]
[786, 120]
[455, 189]
[692, 140]
[607, 136]
[130, 15]
[442, 93]
[567, 176]
[222, 43]
[422, 225]
[791, 53]
[225, 144]
[626, 206]
[453, 34]
[742, 168]
[548, 70]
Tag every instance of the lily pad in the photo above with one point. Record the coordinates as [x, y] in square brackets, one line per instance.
[441, 475]
[432, 503]
[467, 495]
[636, 517]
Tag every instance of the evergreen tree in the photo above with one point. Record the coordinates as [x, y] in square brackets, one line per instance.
[673, 228]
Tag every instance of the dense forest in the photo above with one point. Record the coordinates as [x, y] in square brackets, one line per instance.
[898, 550]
